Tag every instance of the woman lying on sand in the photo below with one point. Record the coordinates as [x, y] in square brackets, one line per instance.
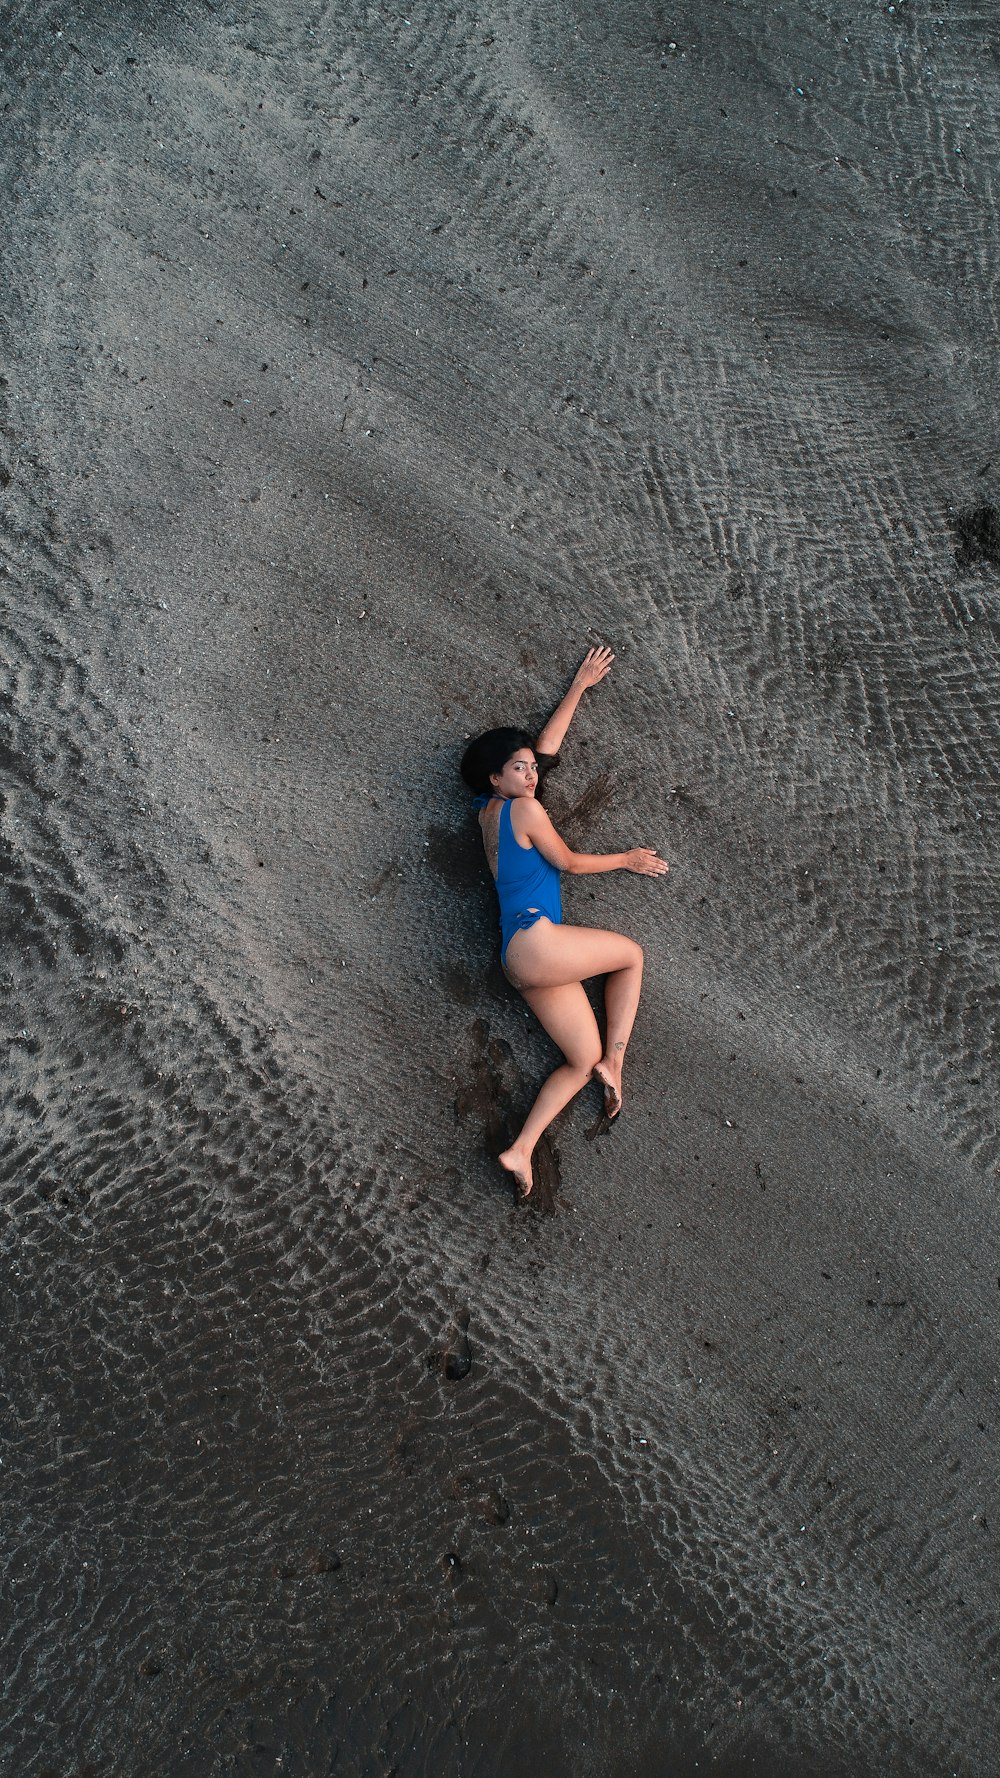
[546, 961]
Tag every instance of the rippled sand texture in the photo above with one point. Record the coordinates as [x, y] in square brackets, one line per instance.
[360, 366]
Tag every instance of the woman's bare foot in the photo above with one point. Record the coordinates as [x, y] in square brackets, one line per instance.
[518, 1164]
[609, 1073]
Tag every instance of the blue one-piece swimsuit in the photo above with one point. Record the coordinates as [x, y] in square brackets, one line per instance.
[527, 884]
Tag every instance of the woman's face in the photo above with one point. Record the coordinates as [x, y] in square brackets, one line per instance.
[519, 776]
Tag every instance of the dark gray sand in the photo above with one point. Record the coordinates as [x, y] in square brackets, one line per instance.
[362, 365]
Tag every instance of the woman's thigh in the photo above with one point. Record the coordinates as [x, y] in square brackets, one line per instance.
[547, 956]
[568, 1017]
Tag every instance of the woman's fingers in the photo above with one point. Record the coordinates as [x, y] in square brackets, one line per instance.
[647, 862]
[597, 662]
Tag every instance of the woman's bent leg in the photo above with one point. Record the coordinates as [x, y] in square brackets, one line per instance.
[568, 1017]
[545, 955]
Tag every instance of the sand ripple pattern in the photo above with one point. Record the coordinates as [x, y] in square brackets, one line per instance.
[357, 363]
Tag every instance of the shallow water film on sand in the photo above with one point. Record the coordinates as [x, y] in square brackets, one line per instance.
[361, 367]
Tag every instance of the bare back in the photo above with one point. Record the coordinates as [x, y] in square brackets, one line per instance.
[489, 821]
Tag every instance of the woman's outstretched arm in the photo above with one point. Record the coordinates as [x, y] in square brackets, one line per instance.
[592, 670]
[534, 824]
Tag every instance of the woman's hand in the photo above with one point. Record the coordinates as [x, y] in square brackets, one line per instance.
[593, 669]
[590, 672]
[645, 862]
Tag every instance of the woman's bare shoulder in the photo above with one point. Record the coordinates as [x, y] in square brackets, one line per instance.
[526, 817]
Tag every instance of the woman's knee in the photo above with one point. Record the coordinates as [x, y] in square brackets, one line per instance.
[585, 1057]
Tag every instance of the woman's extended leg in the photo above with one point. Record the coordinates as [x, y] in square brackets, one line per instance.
[568, 1017]
[546, 955]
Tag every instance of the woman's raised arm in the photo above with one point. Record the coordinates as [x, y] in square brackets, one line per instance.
[590, 672]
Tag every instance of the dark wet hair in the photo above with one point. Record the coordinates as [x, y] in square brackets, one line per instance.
[490, 753]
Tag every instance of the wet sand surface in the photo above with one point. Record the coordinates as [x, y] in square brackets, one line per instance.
[360, 367]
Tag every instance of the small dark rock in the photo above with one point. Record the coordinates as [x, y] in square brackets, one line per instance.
[314, 1562]
[496, 1508]
[320, 1562]
[458, 1352]
[977, 533]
